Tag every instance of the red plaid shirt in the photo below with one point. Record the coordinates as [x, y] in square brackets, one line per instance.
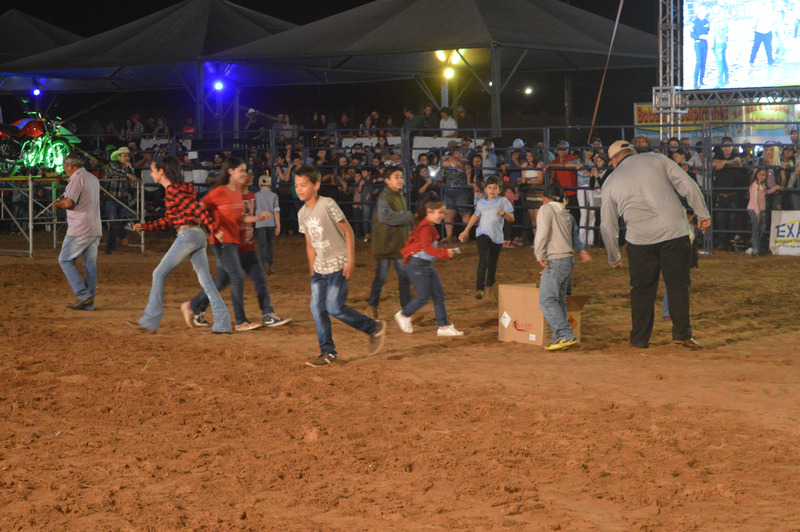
[182, 209]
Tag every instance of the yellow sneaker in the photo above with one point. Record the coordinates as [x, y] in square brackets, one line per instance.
[562, 344]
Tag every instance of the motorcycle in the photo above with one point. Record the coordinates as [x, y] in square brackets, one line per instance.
[34, 142]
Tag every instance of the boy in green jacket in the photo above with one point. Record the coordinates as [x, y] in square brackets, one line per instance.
[390, 229]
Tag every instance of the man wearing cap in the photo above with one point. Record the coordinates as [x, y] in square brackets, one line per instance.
[81, 200]
[564, 171]
[267, 230]
[256, 122]
[117, 182]
[466, 124]
[644, 189]
[412, 122]
[729, 173]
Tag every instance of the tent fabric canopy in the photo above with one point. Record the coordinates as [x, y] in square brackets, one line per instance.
[146, 51]
[390, 35]
[24, 35]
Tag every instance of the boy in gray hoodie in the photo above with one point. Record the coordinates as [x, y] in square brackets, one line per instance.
[554, 251]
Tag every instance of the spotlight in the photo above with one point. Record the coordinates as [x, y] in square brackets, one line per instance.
[528, 90]
[218, 85]
[449, 73]
[441, 55]
[36, 91]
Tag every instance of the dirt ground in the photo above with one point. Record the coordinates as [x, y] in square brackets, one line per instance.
[104, 428]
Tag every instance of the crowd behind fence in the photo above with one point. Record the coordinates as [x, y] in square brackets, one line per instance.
[527, 161]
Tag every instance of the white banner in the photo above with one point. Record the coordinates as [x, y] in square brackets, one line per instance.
[784, 233]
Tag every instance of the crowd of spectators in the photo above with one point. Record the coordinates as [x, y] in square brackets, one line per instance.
[351, 157]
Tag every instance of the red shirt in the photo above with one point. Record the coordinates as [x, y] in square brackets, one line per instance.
[566, 178]
[182, 209]
[422, 239]
[226, 207]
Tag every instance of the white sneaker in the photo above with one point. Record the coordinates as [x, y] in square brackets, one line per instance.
[450, 330]
[403, 322]
[748, 251]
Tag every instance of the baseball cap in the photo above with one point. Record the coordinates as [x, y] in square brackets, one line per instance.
[251, 111]
[619, 146]
[726, 139]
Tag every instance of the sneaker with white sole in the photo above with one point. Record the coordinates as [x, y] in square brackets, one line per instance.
[273, 320]
[449, 330]
[188, 314]
[199, 320]
[247, 326]
[322, 360]
[377, 338]
[403, 322]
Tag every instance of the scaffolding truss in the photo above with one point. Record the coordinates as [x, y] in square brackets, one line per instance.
[671, 101]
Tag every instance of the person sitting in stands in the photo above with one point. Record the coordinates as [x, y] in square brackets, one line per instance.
[447, 125]
[160, 131]
[189, 130]
[346, 128]
[466, 124]
[429, 121]
[138, 127]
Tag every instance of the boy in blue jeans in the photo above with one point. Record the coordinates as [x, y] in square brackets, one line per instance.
[554, 251]
[330, 246]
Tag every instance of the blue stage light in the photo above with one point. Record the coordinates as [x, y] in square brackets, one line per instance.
[36, 91]
[218, 85]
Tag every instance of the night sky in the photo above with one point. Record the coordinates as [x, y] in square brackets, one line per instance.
[622, 89]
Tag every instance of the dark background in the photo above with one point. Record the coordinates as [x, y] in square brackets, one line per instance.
[544, 107]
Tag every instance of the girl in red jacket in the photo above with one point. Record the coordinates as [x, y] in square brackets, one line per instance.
[419, 253]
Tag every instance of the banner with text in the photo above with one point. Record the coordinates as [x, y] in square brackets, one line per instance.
[784, 233]
[766, 122]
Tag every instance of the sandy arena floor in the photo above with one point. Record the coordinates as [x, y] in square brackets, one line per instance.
[103, 428]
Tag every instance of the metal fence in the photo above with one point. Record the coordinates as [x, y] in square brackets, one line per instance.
[525, 159]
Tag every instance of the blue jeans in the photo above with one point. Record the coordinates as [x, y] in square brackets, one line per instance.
[85, 247]
[329, 298]
[190, 243]
[700, 53]
[251, 265]
[427, 285]
[116, 229]
[758, 228]
[381, 273]
[553, 296]
[229, 270]
[722, 63]
[266, 243]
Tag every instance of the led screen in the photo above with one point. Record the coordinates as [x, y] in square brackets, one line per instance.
[734, 44]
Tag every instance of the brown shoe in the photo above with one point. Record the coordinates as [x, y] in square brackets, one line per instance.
[372, 312]
[135, 326]
[691, 343]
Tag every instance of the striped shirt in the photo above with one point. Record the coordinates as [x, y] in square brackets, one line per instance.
[182, 209]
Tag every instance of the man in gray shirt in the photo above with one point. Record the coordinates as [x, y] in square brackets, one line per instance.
[644, 189]
[81, 200]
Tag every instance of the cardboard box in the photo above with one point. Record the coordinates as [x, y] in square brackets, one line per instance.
[521, 319]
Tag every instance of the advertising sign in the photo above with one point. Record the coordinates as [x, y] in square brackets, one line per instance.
[784, 233]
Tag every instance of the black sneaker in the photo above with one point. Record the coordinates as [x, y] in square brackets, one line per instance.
[322, 360]
[200, 320]
[273, 320]
[377, 338]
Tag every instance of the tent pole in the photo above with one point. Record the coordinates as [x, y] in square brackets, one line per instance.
[236, 111]
[199, 101]
[496, 91]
